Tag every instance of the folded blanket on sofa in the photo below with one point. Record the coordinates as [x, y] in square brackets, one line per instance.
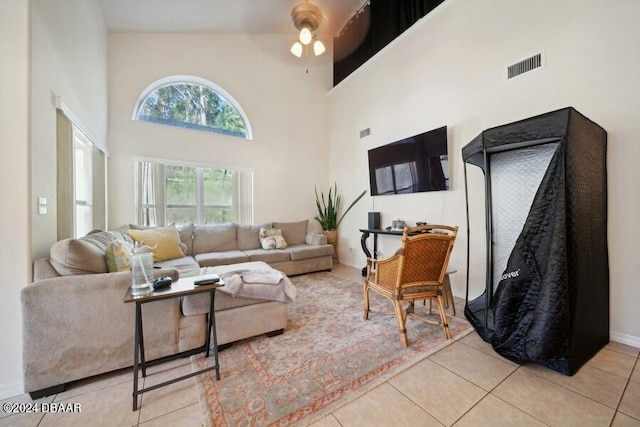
[266, 284]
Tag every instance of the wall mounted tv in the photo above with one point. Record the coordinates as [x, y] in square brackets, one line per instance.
[411, 165]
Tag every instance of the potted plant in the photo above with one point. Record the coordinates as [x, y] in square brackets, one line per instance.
[329, 209]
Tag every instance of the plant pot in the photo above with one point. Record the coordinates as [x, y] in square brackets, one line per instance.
[332, 236]
[332, 239]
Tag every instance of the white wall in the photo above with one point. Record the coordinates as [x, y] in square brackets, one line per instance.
[450, 69]
[14, 174]
[286, 106]
[46, 49]
[69, 59]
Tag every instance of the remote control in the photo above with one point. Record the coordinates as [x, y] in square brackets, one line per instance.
[206, 280]
[161, 282]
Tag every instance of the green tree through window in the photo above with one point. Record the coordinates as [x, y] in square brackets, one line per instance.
[201, 195]
[173, 193]
[192, 105]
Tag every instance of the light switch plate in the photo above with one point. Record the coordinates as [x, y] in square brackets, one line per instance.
[42, 205]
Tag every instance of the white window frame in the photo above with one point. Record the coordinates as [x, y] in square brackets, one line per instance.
[83, 144]
[81, 180]
[242, 192]
[198, 81]
[199, 205]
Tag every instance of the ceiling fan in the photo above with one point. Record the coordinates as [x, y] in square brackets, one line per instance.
[308, 20]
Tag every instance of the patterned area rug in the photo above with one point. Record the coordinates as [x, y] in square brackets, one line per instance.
[327, 356]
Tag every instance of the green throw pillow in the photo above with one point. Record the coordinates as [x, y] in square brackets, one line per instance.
[118, 255]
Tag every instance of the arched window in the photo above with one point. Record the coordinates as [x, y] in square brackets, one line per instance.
[193, 103]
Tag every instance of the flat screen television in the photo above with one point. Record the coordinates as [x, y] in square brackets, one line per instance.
[411, 165]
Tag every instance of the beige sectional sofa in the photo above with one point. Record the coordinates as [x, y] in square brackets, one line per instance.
[76, 325]
[212, 245]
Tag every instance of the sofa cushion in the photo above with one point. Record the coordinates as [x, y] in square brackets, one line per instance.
[85, 255]
[186, 266]
[275, 255]
[101, 238]
[214, 238]
[118, 256]
[165, 242]
[299, 252]
[248, 236]
[212, 259]
[193, 305]
[315, 238]
[271, 238]
[136, 227]
[186, 237]
[294, 232]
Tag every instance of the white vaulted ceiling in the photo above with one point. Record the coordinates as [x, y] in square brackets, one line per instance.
[218, 16]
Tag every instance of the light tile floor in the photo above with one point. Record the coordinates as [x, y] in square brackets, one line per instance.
[464, 384]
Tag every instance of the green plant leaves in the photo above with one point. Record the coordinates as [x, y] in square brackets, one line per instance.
[329, 208]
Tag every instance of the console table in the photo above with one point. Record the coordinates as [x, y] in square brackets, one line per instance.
[366, 232]
[178, 289]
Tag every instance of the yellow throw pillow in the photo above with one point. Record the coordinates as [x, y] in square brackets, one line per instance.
[165, 242]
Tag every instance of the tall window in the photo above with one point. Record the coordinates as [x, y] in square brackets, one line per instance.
[81, 181]
[194, 103]
[181, 194]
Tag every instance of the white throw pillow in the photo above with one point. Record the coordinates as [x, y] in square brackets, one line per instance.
[271, 238]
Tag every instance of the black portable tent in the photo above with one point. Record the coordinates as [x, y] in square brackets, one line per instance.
[546, 296]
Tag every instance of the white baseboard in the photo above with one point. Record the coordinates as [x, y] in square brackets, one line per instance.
[11, 390]
[625, 339]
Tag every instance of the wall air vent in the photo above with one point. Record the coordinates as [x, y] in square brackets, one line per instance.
[524, 66]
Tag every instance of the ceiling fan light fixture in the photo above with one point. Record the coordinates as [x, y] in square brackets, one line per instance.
[318, 48]
[305, 36]
[296, 49]
[307, 18]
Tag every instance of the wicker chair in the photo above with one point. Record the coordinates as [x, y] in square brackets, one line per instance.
[416, 272]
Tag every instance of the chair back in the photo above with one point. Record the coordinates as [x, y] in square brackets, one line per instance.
[425, 254]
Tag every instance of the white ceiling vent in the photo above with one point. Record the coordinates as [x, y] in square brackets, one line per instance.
[524, 66]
